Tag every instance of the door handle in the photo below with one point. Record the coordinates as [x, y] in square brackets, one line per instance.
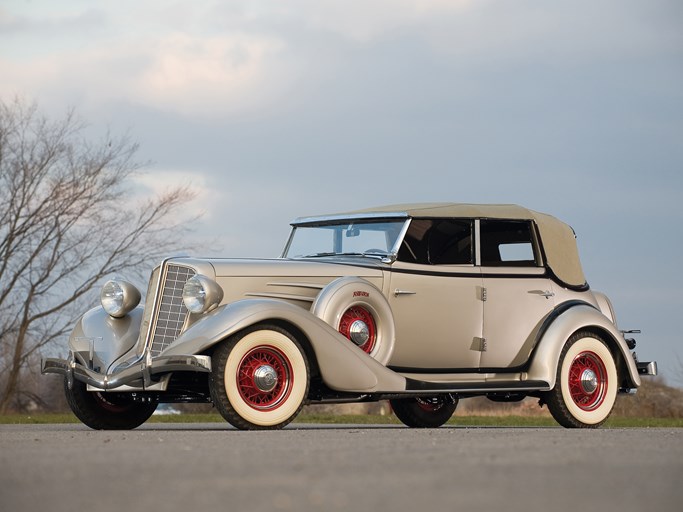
[398, 292]
[543, 293]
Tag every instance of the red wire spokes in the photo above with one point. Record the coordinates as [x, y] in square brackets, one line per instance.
[587, 381]
[277, 365]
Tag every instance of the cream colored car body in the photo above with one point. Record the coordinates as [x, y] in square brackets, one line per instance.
[466, 329]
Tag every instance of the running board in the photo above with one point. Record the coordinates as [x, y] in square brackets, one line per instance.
[470, 387]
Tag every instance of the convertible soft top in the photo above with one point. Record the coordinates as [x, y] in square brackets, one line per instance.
[558, 238]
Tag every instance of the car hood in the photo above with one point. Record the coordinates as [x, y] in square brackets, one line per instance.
[296, 281]
[321, 267]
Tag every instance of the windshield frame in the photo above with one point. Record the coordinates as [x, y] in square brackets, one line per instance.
[332, 220]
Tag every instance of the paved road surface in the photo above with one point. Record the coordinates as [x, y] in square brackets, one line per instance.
[190, 467]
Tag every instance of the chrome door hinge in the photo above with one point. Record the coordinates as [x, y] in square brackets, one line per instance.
[481, 344]
[484, 294]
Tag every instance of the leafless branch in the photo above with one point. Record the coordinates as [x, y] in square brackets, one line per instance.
[68, 219]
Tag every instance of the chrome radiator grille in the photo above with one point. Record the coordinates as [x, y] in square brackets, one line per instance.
[170, 311]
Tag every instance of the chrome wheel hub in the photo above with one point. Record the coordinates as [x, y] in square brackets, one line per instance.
[265, 378]
[589, 381]
[359, 332]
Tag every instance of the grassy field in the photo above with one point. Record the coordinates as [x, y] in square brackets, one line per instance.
[367, 419]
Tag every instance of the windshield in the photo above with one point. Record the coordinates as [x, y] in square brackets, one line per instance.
[364, 238]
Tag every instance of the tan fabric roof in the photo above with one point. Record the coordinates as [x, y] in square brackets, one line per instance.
[559, 241]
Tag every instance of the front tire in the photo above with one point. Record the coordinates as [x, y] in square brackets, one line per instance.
[586, 385]
[107, 410]
[423, 412]
[260, 378]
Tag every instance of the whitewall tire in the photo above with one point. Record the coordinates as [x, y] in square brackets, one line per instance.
[260, 378]
[587, 383]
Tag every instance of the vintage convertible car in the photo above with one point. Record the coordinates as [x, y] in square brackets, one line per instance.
[419, 304]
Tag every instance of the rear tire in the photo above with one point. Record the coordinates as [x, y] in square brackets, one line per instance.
[260, 378]
[586, 384]
[107, 410]
[423, 412]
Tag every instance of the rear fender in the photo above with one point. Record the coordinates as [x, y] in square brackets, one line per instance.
[343, 366]
[577, 318]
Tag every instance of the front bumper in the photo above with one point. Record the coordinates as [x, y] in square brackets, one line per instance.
[142, 371]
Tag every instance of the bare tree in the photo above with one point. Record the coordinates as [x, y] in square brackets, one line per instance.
[68, 218]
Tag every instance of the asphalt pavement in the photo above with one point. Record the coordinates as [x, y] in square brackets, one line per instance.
[193, 467]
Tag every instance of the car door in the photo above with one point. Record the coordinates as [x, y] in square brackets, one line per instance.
[518, 294]
[436, 298]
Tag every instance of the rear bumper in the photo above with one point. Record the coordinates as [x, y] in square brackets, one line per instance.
[142, 371]
[647, 367]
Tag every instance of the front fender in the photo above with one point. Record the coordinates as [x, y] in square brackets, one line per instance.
[576, 318]
[105, 337]
[343, 366]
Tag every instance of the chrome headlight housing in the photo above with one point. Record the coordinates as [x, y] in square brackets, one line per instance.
[201, 294]
[119, 298]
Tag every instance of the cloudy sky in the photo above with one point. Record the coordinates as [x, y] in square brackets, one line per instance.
[278, 109]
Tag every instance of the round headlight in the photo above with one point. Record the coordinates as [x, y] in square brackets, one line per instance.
[119, 298]
[201, 294]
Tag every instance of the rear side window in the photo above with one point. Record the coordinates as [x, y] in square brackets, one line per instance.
[507, 243]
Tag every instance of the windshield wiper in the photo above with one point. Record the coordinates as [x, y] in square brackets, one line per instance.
[377, 253]
[319, 255]
[324, 254]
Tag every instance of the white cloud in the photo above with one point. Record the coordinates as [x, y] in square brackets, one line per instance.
[177, 72]
[209, 74]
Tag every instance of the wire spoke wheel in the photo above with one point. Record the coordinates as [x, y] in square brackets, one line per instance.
[264, 378]
[358, 325]
[260, 378]
[586, 383]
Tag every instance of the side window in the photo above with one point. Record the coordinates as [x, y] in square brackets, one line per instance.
[507, 243]
[438, 242]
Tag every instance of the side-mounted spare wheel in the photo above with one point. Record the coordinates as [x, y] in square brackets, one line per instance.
[586, 385]
[359, 311]
[107, 410]
[260, 378]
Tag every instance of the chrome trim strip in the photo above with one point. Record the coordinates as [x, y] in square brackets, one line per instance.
[314, 286]
[285, 296]
[303, 221]
[477, 242]
[399, 239]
